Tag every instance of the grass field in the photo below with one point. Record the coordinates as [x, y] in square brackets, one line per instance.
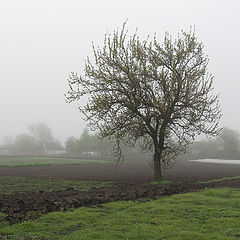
[44, 161]
[220, 179]
[207, 215]
[10, 185]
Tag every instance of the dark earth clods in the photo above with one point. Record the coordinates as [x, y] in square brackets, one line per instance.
[19, 207]
[131, 182]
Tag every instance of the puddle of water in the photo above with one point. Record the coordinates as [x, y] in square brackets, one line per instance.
[217, 161]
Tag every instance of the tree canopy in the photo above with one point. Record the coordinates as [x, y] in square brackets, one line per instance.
[161, 93]
[38, 141]
[41, 132]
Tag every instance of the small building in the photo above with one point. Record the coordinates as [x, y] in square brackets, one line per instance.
[53, 148]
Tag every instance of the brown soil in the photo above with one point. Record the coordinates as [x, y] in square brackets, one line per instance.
[132, 182]
[133, 172]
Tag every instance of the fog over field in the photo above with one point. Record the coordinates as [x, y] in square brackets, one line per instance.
[43, 41]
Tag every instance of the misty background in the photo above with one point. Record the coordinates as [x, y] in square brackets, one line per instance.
[43, 41]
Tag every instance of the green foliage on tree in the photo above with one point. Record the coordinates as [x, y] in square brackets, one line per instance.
[159, 92]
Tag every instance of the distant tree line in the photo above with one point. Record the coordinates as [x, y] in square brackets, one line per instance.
[88, 144]
[39, 140]
[92, 146]
[225, 146]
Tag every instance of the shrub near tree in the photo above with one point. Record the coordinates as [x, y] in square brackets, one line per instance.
[161, 93]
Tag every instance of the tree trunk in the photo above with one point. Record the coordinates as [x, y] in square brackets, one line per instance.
[157, 166]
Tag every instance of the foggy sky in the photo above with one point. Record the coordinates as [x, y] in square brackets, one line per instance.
[41, 42]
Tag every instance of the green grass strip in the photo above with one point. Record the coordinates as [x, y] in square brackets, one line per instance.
[212, 214]
[45, 161]
[162, 182]
[9, 185]
[220, 179]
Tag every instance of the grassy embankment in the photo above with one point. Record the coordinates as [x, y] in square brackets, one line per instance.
[209, 214]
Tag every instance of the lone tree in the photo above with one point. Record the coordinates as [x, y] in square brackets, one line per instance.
[159, 93]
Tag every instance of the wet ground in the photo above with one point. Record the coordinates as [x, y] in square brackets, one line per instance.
[31, 205]
[133, 172]
[132, 181]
